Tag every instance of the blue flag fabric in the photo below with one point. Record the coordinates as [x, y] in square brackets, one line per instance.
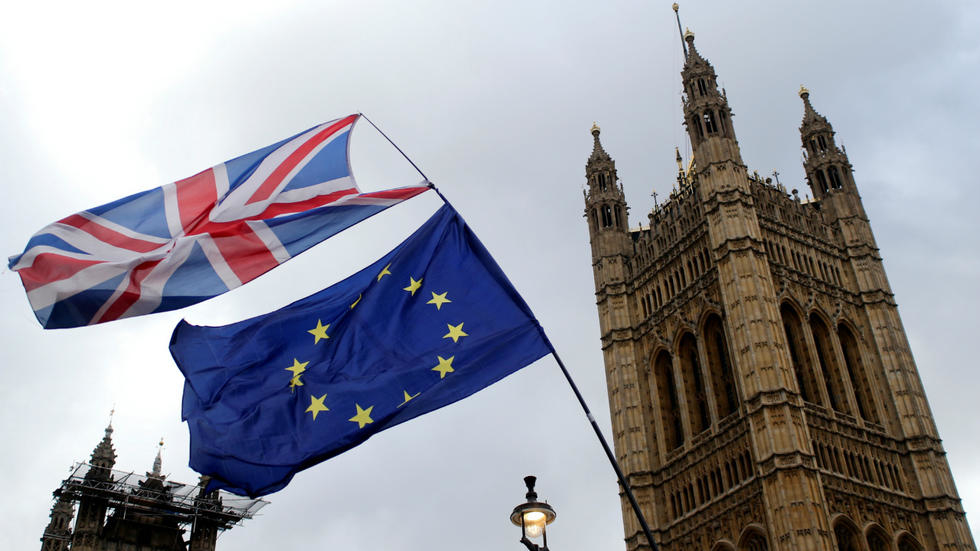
[431, 323]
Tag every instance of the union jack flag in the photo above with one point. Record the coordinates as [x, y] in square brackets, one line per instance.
[196, 238]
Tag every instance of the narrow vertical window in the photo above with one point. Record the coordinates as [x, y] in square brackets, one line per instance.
[822, 181]
[670, 413]
[720, 367]
[828, 361]
[697, 402]
[858, 374]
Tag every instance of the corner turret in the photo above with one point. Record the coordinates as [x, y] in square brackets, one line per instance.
[827, 168]
[706, 112]
[605, 203]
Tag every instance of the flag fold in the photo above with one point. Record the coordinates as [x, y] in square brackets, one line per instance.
[196, 238]
[432, 322]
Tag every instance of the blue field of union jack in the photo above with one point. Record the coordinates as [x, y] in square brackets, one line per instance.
[196, 238]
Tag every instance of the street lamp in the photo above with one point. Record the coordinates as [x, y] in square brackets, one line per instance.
[533, 516]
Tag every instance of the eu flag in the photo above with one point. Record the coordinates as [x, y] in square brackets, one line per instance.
[431, 323]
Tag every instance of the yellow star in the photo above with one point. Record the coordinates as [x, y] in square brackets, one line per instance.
[363, 416]
[297, 369]
[320, 331]
[316, 406]
[384, 272]
[455, 332]
[408, 397]
[413, 285]
[445, 366]
[438, 300]
[356, 301]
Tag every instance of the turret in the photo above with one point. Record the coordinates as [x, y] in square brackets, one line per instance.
[92, 510]
[706, 113]
[57, 535]
[827, 168]
[605, 203]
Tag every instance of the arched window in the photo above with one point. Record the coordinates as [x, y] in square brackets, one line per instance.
[907, 543]
[619, 223]
[606, 216]
[754, 541]
[601, 178]
[847, 536]
[702, 87]
[858, 374]
[670, 411]
[720, 367]
[595, 219]
[697, 402]
[828, 362]
[806, 377]
[696, 124]
[709, 122]
[822, 142]
[822, 181]
[835, 180]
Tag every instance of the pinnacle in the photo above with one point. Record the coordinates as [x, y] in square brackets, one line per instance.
[158, 462]
[598, 153]
[810, 115]
[104, 455]
[693, 56]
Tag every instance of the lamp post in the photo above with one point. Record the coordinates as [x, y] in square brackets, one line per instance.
[533, 516]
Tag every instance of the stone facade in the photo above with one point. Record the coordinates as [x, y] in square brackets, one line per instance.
[762, 389]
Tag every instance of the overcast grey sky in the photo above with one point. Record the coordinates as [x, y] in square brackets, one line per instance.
[494, 100]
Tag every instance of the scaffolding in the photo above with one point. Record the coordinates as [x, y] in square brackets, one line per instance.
[129, 494]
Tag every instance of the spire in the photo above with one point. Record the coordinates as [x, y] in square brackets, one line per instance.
[706, 112]
[825, 164]
[104, 455]
[810, 115]
[598, 153]
[693, 56]
[158, 462]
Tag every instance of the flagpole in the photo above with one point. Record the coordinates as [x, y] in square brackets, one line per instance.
[605, 446]
[393, 144]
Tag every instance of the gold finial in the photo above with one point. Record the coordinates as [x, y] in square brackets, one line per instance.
[688, 35]
[804, 92]
[595, 127]
[675, 6]
[161, 441]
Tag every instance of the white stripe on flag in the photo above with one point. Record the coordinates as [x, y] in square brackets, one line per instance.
[221, 267]
[270, 240]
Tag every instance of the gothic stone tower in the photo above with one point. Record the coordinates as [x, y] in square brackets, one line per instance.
[762, 390]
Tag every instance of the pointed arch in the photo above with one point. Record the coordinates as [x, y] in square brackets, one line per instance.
[693, 384]
[847, 534]
[827, 357]
[877, 538]
[806, 376]
[720, 367]
[753, 538]
[723, 545]
[858, 373]
[907, 542]
[669, 406]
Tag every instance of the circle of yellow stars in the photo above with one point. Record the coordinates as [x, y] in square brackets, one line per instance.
[362, 416]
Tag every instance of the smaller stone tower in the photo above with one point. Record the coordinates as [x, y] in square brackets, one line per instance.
[119, 511]
[57, 535]
[92, 508]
